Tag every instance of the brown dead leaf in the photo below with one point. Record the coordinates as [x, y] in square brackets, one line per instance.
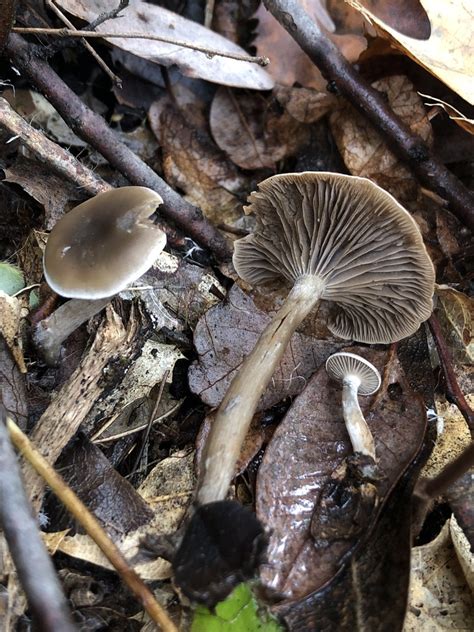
[455, 312]
[12, 387]
[228, 332]
[303, 104]
[448, 53]
[439, 596]
[252, 131]
[463, 551]
[193, 163]
[288, 63]
[364, 150]
[307, 448]
[147, 18]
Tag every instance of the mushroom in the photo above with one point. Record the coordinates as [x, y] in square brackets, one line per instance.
[94, 252]
[336, 238]
[357, 376]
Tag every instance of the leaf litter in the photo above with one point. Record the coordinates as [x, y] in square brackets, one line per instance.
[143, 378]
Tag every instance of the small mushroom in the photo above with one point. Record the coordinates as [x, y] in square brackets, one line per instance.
[332, 237]
[94, 252]
[357, 376]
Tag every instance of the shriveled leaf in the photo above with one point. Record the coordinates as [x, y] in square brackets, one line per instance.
[194, 164]
[304, 104]
[147, 18]
[448, 51]
[308, 447]
[240, 612]
[370, 590]
[365, 151]
[225, 336]
[440, 598]
[455, 312]
[288, 63]
[252, 132]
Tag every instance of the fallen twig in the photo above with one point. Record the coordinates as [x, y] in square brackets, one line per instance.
[92, 527]
[454, 395]
[345, 79]
[94, 130]
[210, 52]
[34, 566]
[61, 160]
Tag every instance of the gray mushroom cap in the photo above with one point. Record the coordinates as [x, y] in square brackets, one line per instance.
[105, 243]
[343, 365]
[355, 237]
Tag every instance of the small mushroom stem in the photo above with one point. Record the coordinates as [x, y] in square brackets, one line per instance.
[359, 432]
[240, 402]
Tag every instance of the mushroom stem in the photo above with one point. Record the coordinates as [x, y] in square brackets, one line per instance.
[359, 432]
[240, 402]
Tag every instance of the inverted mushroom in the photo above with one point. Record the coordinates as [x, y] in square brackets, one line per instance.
[332, 237]
[357, 376]
[94, 252]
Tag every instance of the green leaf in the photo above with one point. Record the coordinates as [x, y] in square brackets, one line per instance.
[11, 279]
[240, 612]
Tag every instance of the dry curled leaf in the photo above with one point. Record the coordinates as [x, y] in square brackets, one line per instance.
[147, 18]
[365, 151]
[447, 52]
[227, 333]
[455, 312]
[252, 131]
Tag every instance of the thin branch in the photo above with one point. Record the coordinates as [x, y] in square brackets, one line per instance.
[209, 52]
[61, 160]
[114, 78]
[34, 566]
[94, 130]
[92, 527]
[452, 390]
[344, 78]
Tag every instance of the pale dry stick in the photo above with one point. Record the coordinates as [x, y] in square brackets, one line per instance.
[115, 79]
[62, 161]
[209, 13]
[92, 527]
[210, 52]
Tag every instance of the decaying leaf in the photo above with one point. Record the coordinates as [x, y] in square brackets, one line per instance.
[304, 104]
[228, 332]
[252, 131]
[447, 52]
[194, 164]
[147, 18]
[12, 386]
[440, 599]
[288, 63]
[455, 312]
[365, 151]
[463, 551]
[308, 447]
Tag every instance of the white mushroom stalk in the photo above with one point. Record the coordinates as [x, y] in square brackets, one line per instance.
[357, 376]
[332, 237]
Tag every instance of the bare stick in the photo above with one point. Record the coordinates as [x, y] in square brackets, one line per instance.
[94, 130]
[210, 52]
[92, 527]
[452, 390]
[62, 161]
[35, 568]
[408, 146]
[116, 80]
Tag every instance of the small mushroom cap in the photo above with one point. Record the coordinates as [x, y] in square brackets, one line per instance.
[105, 243]
[342, 365]
[362, 244]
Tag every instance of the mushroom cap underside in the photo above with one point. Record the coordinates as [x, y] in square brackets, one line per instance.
[343, 364]
[363, 245]
[105, 243]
